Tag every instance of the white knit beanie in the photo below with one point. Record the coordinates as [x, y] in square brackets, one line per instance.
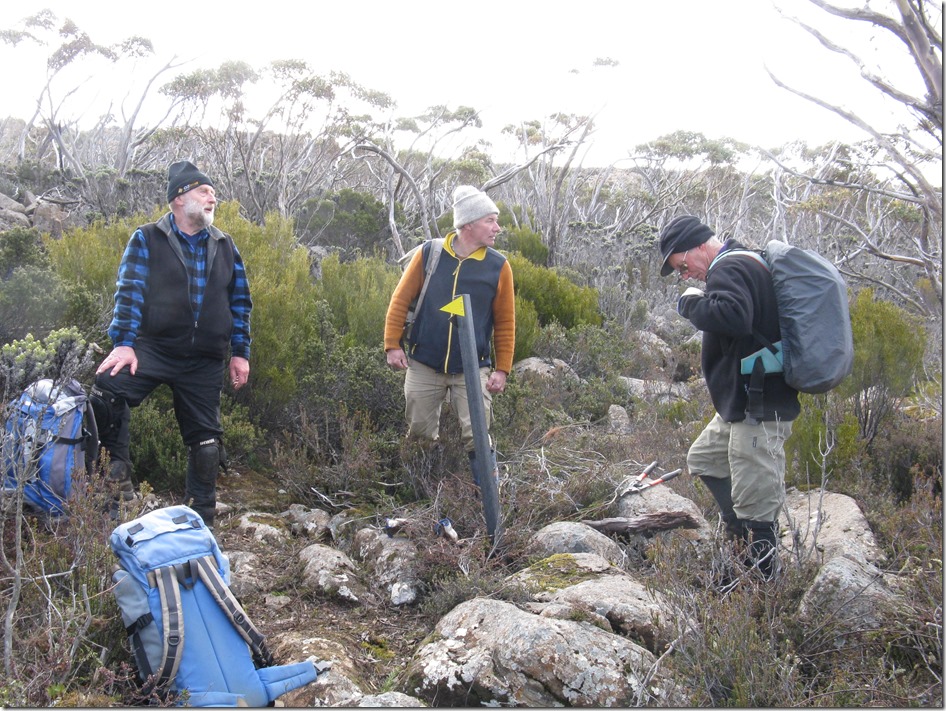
[470, 204]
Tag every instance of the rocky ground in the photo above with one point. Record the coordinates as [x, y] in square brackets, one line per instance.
[375, 637]
[421, 613]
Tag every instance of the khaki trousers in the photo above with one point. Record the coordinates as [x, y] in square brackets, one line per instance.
[425, 392]
[753, 455]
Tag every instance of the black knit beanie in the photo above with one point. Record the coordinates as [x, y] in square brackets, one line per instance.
[680, 234]
[184, 176]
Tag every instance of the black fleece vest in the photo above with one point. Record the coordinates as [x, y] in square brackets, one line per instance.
[167, 316]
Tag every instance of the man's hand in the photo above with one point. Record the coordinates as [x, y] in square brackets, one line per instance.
[239, 372]
[118, 359]
[397, 358]
[496, 382]
[688, 300]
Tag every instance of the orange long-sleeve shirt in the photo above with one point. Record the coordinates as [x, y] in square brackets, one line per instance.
[452, 278]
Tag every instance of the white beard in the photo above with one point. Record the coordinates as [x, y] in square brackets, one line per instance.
[194, 210]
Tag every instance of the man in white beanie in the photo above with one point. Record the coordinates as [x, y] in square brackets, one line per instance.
[468, 264]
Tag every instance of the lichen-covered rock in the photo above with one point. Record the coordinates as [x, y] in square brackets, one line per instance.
[571, 537]
[489, 652]
[331, 572]
[824, 524]
[391, 563]
[851, 596]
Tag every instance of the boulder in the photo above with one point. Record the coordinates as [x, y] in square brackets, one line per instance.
[491, 653]
[619, 421]
[391, 563]
[548, 368]
[825, 524]
[849, 596]
[657, 390]
[571, 537]
[331, 572]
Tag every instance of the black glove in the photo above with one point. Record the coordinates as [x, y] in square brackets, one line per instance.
[689, 298]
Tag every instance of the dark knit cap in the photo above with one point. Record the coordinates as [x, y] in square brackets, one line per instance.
[680, 234]
[184, 176]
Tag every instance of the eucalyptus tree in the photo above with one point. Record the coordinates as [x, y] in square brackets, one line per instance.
[94, 142]
[291, 149]
[616, 212]
[408, 161]
[552, 177]
[890, 177]
[419, 179]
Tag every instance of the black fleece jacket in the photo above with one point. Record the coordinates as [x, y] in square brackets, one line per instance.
[739, 298]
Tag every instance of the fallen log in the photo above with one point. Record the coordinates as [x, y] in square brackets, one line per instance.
[656, 521]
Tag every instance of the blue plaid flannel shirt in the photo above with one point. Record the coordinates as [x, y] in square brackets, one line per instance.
[133, 278]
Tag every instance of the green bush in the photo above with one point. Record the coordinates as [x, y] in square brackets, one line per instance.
[889, 345]
[32, 296]
[349, 419]
[60, 355]
[285, 302]
[32, 300]
[532, 404]
[20, 247]
[158, 454]
[906, 456]
[556, 299]
[87, 261]
[525, 242]
[527, 329]
[91, 256]
[348, 220]
[358, 294]
[824, 443]
[591, 350]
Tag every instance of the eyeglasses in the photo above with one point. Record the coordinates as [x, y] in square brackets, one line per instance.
[682, 267]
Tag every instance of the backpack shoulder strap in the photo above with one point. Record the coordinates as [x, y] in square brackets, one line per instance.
[90, 437]
[436, 248]
[224, 597]
[760, 258]
[742, 252]
[137, 644]
[172, 618]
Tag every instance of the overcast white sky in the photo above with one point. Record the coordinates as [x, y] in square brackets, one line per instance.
[694, 65]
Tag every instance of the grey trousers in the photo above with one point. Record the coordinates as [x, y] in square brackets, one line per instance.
[753, 455]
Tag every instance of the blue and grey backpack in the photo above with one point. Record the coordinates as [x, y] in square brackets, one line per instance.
[50, 437]
[191, 639]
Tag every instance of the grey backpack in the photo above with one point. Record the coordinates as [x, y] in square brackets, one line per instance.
[817, 348]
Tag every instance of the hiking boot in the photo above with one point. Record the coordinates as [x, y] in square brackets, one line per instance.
[762, 552]
[119, 473]
[119, 476]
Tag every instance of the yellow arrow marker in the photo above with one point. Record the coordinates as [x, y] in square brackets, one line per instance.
[455, 307]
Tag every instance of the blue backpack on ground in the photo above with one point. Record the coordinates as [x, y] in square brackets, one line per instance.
[50, 437]
[188, 633]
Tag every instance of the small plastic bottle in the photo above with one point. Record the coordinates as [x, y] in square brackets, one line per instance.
[445, 529]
